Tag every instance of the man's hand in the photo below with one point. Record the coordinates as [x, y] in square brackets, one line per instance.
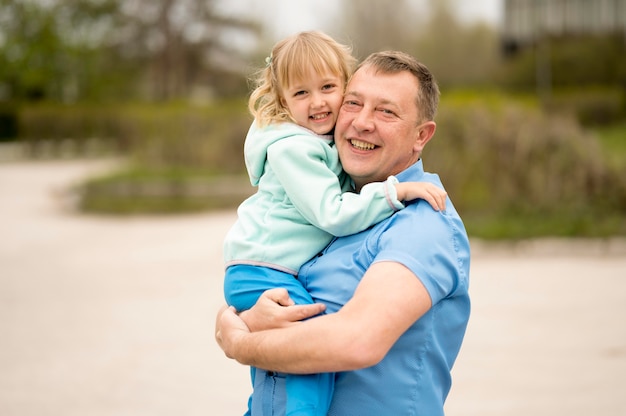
[228, 327]
[275, 309]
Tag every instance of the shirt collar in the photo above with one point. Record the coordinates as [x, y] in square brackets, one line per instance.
[412, 173]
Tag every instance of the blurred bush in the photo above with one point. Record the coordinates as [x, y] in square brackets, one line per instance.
[591, 106]
[181, 158]
[138, 190]
[153, 136]
[513, 169]
[571, 61]
[580, 75]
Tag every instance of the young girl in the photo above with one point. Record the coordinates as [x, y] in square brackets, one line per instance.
[303, 197]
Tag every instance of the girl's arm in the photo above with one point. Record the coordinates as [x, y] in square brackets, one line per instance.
[307, 170]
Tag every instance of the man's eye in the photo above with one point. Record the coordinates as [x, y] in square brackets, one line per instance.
[351, 106]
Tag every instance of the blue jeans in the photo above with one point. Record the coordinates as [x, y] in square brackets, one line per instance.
[277, 394]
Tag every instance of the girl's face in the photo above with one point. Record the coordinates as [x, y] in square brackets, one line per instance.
[314, 101]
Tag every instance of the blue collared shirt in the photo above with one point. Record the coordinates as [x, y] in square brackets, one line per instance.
[414, 378]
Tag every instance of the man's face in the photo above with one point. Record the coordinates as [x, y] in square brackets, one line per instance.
[377, 132]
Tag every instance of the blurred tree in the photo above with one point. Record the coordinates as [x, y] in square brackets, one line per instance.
[458, 54]
[374, 25]
[185, 43]
[92, 49]
[47, 50]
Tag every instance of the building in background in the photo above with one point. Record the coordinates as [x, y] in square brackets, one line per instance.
[528, 21]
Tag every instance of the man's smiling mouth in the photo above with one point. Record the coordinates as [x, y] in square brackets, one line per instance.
[362, 145]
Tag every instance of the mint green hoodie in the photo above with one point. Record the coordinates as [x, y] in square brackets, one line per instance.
[302, 200]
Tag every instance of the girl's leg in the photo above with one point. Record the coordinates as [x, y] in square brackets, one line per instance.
[307, 395]
[243, 285]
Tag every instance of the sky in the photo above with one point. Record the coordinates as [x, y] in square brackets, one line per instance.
[283, 17]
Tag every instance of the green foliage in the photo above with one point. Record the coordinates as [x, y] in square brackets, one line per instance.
[565, 224]
[572, 62]
[458, 54]
[613, 139]
[51, 51]
[137, 190]
[509, 161]
[181, 158]
[154, 136]
[29, 51]
[591, 106]
[514, 168]
[191, 137]
[588, 60]
[511, 170]
[98, 50]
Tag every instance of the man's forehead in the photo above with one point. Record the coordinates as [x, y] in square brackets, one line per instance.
[367, 83]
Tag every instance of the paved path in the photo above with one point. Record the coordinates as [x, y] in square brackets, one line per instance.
[105, 316]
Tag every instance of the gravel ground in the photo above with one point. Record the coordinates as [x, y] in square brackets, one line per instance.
[108, 316]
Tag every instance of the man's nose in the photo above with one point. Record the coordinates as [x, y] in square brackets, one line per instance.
[363, 120]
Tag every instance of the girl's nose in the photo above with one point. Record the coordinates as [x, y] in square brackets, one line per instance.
[318, 100]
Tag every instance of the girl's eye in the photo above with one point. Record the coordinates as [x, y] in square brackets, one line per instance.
[328, 86]
[299, 93]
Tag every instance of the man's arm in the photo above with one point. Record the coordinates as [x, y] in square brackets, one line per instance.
[387, 301]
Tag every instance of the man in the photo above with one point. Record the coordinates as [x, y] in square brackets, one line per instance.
[396, 295]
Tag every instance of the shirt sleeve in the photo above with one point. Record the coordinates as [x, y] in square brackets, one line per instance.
[301, 164]
[429, 243]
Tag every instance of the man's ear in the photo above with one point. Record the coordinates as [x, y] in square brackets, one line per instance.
[425, 132]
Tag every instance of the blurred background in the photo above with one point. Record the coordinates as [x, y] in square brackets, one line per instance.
[532, 123]
[121, 135]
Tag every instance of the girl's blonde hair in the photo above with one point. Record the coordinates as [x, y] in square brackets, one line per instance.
[293, 59]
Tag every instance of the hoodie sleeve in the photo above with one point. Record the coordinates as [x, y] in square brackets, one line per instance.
[301, 164]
